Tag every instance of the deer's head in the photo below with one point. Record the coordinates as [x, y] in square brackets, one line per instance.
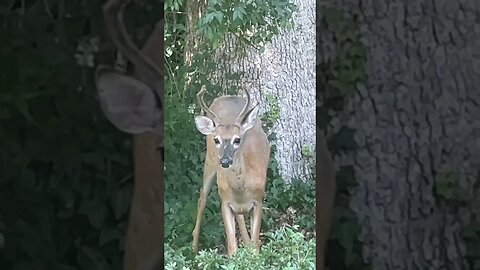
[227, 136]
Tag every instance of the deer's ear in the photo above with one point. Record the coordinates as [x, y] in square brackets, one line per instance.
[250, 118]
[128, 104]
[205, 125]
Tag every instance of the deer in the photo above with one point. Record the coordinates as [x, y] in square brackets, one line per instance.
[133, 104]
[325, 193]
[237, 156]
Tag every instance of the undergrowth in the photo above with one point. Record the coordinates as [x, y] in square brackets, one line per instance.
[288, 249]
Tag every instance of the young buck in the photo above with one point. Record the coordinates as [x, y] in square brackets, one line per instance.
[237, 156]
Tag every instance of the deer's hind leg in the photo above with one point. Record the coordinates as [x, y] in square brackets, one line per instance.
[256, 222]
[243, 229]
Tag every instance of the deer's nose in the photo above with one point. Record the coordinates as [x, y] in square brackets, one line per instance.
[226, 162]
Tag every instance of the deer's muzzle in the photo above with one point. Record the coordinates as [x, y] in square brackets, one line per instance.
[226, 155]
[226, 162]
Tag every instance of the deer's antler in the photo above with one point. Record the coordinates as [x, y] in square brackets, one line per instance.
[113, 14]
[202, 104]
[244, 111]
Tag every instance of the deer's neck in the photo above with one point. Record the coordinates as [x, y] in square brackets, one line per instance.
[236, 174]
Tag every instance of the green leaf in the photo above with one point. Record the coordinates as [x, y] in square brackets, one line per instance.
[66, 267]
[92, 259]
[219, 16]
[346, 234]
[22, 107]
[209, 18]
[121, 201]
[108, 235]
[334, 16]
[447, 185]
[238, 13]
[29, 95]
[469, 233]
[344, 87]
[53, 54]
[94, 159]
[95, 210]
[344, 139]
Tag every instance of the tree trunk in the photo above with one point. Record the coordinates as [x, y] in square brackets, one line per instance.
[416, 117]
[286, 71]
[194, 10]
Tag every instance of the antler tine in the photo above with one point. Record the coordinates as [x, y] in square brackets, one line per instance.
[243, 112]
[202, 104]
[113, 15]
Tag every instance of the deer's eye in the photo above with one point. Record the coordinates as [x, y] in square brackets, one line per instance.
[236, 141]
[216, 141]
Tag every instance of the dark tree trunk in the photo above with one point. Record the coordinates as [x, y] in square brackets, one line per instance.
[416, 117]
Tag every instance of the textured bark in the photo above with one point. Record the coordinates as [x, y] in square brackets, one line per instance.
[194, 10]
[417, 115]
[285, 70]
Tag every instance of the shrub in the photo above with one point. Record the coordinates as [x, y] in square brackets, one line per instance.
[287, 249]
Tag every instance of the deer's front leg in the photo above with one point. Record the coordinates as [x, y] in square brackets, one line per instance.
[209, 175]
[229, 222]
[256, 220]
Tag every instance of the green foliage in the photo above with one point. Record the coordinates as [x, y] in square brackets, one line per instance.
[344, 250]
[66, 172]
[452, 196]
[290, 204]
[471, 236]
[447, 187]
[273, 114]
[175, 36]
[349, 62]
[338, 76]
[307, 151]
[287, 250]
[255, 22]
